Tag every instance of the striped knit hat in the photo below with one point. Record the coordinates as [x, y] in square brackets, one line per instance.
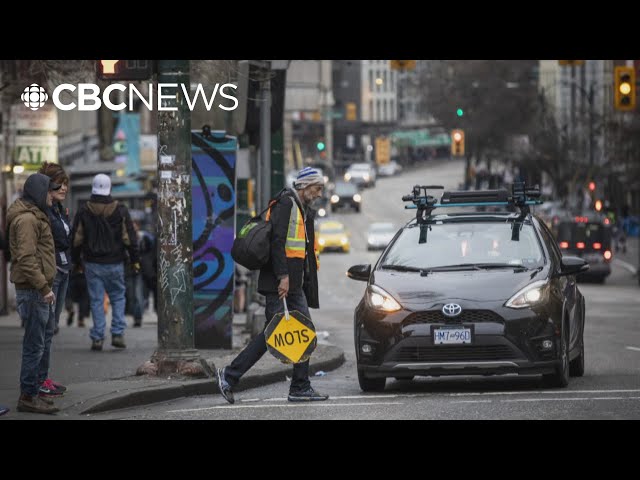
[308, 176]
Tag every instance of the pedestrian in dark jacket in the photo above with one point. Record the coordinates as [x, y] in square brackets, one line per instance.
[61, 229]
[33, 270]
[292, 273]
[102, 235]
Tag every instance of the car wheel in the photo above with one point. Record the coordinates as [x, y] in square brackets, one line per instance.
[358, 209]
[576, 366]
[370, 384]
[405, 377]
[560, 378]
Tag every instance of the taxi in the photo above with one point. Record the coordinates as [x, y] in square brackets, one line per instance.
[332, 235]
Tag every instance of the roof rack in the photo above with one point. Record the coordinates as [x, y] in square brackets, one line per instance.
[520, 197]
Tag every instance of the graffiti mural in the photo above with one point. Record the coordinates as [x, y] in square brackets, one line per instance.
[214, 197]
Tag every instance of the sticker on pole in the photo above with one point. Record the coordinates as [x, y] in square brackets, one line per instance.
[291, 337]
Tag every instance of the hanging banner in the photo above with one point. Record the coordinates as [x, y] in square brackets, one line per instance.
[213, 192]
[126, 142]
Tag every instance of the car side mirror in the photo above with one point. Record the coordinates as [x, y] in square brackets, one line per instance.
[360, 272]
[573, 266]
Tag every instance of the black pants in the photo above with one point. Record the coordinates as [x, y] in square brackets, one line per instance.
[257, 347]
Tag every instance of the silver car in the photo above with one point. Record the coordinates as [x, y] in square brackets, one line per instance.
[379, 235]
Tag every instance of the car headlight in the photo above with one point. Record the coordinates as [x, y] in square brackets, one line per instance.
[335, 198]
[381, 300]
[347, 176]
[366, 177]
[528, 296]
[322, 212]
[357, 197]
[321, 241]
[344, 240]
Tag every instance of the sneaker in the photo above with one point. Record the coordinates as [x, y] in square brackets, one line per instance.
[4, 410]
[57, 386]
[308, 395]
[35, 404]
[118, 341]
[96, 345]
[48, 390]
[46, 400]
[224, 387]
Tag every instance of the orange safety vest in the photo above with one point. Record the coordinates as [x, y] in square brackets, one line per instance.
[295, 244]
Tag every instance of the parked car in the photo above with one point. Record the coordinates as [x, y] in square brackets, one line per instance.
[389, 169]
[470, 294]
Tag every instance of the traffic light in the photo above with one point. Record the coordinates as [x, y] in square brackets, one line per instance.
[457, 142]
[459, 112]
[625, 89]
[321, 145]
[598, 205]
[124, 69]
[592, 186]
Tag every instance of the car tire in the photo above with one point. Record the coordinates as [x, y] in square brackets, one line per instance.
[357, 209]
[560, 378]
[576, 366]
[370, 384]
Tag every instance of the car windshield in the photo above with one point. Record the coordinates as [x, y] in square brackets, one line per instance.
[382, 228]
[345, 189]
[574, 232]
[330, 228]
[448, 244]
[360, 166]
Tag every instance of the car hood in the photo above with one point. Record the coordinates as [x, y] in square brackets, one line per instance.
[379, 237]
[416, 292]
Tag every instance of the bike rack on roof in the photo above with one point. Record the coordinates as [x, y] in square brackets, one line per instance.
[521, 197]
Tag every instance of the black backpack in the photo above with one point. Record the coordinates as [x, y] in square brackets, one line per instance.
[101, 232]
[252, 246]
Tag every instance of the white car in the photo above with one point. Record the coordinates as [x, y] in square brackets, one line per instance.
[361, 174]
[379, 235]
[389, 169]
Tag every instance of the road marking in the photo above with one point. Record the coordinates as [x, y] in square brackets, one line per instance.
[626, 265]
[635, 349]
[567, 399]
[472, 401]
[250, 400]
[290, 405]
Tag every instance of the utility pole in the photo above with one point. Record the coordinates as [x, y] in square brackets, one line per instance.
[326, 106]
[176, 352]
[265, 137]
[591, 113]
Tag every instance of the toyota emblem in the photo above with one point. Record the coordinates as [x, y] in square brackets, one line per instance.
[452, 309]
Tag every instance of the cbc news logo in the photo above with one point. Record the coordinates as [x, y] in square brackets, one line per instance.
[34, 96]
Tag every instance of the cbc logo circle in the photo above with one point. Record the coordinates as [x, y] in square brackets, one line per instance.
[34, 96]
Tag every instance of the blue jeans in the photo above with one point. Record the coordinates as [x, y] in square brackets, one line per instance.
[258, 345]
[109, 277]
[60, 285]
[36, 344]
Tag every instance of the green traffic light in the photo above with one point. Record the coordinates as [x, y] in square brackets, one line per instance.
[459, 112]
[320, 146]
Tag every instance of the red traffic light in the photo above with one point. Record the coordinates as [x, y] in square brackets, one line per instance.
[598, 205]
[592, 186]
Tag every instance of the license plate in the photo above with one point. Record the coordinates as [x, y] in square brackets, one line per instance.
[446, 336]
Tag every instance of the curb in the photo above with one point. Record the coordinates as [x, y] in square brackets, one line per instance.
[150, 395]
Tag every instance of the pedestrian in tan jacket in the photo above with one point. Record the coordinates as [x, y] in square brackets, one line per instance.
[33, 268]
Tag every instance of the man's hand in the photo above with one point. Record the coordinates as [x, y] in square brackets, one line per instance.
[136, 268]
[50, 297]
[283, 288]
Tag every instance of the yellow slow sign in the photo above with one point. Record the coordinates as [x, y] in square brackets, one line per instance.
[291, 338]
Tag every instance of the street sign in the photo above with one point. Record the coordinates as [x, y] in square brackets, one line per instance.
[291, 337]
[124, 69]
[402, 64]
[383, 150]
[574, 63]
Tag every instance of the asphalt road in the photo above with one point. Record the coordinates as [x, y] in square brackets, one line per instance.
[610, 388]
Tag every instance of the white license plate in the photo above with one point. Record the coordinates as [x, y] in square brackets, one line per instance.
[444, 336]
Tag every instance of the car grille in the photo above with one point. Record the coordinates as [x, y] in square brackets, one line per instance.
[450, 353]
[467, 316]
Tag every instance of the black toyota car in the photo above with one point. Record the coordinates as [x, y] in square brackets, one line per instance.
[470, 293]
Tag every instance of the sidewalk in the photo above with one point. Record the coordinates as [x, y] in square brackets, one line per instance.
[107, 380]
[630, 260]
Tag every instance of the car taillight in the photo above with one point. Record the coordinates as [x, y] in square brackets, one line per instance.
[564, 244]
[580, 245]
[607, 255]
[597, 246]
